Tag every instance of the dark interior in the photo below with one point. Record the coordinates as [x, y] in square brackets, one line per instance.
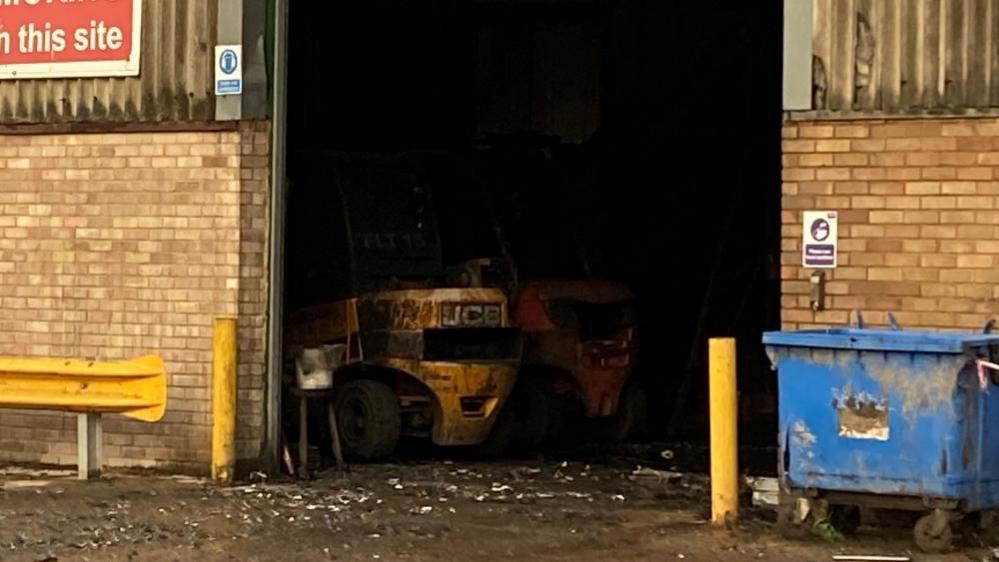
[635, 141]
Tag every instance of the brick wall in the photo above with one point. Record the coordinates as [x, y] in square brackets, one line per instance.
[252, 319]
[919, 220]
[117, 245]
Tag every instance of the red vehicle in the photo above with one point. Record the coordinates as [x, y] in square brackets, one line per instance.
[580, 344]
[578, 332]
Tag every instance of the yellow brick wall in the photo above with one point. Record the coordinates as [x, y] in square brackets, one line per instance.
[117, 245]
[919, 220]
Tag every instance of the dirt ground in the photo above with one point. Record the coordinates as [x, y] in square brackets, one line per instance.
[438, 510]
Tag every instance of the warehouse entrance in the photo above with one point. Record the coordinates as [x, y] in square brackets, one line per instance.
[629, 147]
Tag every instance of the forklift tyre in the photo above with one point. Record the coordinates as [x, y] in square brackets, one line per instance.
[536, 409]
[367, 413]
[501, 437]
[629, 419]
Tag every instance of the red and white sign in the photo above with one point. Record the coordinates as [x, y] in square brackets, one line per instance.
[69, 38]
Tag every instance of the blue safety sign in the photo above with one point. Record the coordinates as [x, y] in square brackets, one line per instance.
[228, 70]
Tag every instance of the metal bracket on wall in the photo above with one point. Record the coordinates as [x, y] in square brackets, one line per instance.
[229, 32]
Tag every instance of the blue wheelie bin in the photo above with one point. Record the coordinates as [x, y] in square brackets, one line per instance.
[887, 419]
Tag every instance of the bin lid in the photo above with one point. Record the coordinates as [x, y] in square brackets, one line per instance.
[881, 340]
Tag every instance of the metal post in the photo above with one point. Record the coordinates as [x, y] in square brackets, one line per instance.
[303, 437]
[224, 400]
[724, 437]
[275, 235]
[89, 445]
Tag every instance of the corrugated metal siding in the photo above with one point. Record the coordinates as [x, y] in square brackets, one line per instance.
[905, 55]
[174, 82]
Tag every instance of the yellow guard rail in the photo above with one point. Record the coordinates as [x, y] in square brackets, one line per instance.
[136, 389]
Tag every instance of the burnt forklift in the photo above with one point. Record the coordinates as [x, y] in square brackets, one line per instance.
[579, 332]
[422, 349]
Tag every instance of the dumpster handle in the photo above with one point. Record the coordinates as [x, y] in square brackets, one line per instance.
[858, 323]
[981, 365]
[892, 323]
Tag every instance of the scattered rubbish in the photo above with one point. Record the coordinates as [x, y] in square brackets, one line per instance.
[499, 488]
[651, 473]
[825, 531]
[522, 472]
[869, 558]
[24, 484]
[617, 498]
[766, 491]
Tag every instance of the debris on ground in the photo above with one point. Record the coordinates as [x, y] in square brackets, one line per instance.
[419, 510]
[825, 530]
[661, 476]
[766, 491]
[870, 558]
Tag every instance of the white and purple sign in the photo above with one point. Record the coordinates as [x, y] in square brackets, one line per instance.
[818, 246]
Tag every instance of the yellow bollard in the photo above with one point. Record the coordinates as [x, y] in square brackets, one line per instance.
[224, 400]
[724, 436]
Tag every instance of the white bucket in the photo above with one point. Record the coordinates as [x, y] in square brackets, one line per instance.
[314, 367]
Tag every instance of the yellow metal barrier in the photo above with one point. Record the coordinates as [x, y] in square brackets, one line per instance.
[724, 438]
[224, 400]
[136, 389]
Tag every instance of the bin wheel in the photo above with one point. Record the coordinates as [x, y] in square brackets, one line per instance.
[845, 518]
[788, 525]
[933, 533]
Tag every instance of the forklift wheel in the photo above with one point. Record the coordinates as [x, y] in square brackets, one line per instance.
[500, 437]
[536, 411]
[629, 419]
[368, 418]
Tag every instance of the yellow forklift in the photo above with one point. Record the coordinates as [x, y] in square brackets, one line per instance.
[415, 348]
